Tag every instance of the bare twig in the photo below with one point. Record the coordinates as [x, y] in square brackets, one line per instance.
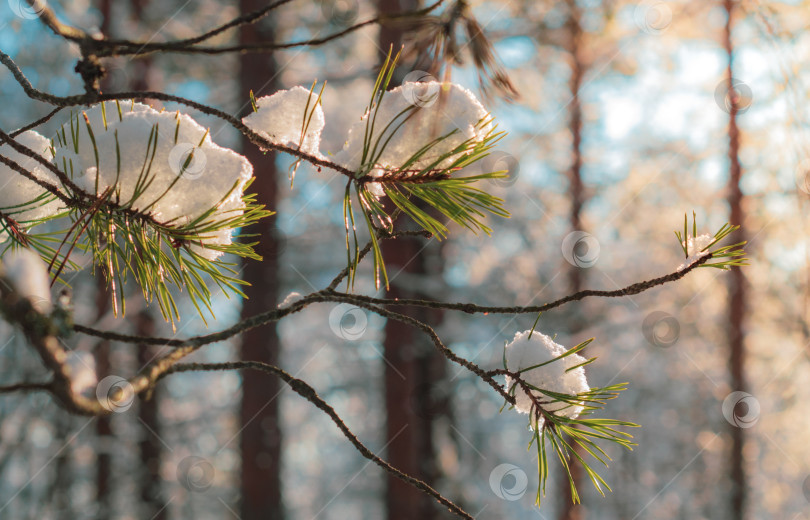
[306, 391]
[471, 308]
[36, 123]
[26, 387]
[110, 47]
[329, 295]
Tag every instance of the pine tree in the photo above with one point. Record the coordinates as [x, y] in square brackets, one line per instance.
[159, 204]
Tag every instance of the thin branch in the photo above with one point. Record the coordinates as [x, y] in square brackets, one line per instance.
[306, 391]
[147, 47]
[84, 99]
[28, 152]
[471, 308]
[48, 17]
[197, 341]
[373, 304]
[38, 122]
[108, 48]
[30, 176]
[26, 387]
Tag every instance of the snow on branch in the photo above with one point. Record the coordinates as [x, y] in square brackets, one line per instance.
[124, 177]
[289, 117]
[23, 202]
[157, 163]
[146, 193]
[547, 382]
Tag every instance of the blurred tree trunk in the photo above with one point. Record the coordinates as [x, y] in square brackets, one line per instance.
[149, 447]
[63, 472]
[412, 369]
[148, 476]
[736, 288]
[154, 506]
[576, 194]
[260, 436]
[103, 426]
[413, 373]
[102, 356]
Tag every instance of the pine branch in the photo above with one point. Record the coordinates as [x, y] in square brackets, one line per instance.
[26, 387]
[306, 391]
[44, 119]
[42, 333]
[118, 47]
[583, 431]
[329, 295]
[145, 252]
[83, 99]
[471, 308]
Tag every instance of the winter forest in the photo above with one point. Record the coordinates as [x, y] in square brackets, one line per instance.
[394, 259]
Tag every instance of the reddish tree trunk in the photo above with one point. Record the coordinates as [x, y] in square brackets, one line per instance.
[150, 445]
[412, 373]
[412, 368]
[102, 359]
[576, 193]
[103, 426]
[259, 414]
[149, 481]
[736, 288]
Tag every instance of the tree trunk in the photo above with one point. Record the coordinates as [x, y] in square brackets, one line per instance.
[736, 288]
[102, 359]
[260, 437]
[149, 447]
[576, 193]
[103, 427]
[63, 470]
[412, 375]
[412, 368]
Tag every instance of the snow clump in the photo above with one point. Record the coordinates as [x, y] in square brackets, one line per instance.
[280, 119]
[402, 126]
[21, 198]
[694, 249]
[29, 276]
[167, 156]
[524, 352]
[290, 299]
[414, 126]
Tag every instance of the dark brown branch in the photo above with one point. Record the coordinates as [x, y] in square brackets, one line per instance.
[306, 391]
[375, 305]
[48, 17]
[84, 99]
[112, 46]
[196, 341]
[471, 308]
[108, 48]
[41, 332]
[328, 295]
[26, 387]
[38, 122]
